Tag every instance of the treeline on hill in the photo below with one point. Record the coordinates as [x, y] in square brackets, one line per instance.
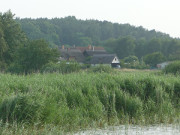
[71, 31]
[25, 52]
[125, 40]
[19, 54]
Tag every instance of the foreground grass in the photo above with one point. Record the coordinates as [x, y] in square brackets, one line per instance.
[47, 103]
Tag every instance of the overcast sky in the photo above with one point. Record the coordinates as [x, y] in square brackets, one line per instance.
[161, 15]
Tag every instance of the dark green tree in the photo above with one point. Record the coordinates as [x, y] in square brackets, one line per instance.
[175, 55]
[154, 58]
[33, 56]
[124, 47]
[154, 45]
[3, 45]
[140, 48]
[110, 44]
[11, 37]
[130, 59]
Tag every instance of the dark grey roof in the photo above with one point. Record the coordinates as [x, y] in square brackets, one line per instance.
[102, 58]
[72, 53]
[91, 52]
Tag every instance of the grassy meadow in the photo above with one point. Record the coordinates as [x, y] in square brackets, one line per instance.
[57, 103]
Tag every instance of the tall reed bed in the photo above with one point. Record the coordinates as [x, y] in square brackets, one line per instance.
[80, 100]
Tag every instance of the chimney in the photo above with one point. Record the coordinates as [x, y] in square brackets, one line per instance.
[63, 47]
[93, 48]
[89, 47]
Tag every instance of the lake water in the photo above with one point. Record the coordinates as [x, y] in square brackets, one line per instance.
[134, 130]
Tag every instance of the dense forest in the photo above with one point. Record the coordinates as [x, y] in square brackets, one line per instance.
[123, 39]
[28, 44]
[70, 30]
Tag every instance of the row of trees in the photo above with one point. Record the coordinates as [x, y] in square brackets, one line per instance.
[126, 46]
[123, 39]
[69, 30]
[148, 61]
[17, 53]
[151, 52]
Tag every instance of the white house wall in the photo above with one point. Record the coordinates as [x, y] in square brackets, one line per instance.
[115, 60]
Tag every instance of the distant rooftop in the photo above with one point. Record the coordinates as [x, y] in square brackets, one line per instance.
[102, 58]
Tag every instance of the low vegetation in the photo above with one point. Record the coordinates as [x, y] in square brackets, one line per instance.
[101, 68]
[57, 102]
[173, 68]
[63, 67]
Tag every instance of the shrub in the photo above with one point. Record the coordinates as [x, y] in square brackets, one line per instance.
[3, 66]
[173, 68]
[134, 64]
[15, 68]
[101, 68]
[154, 58]
[62, 67]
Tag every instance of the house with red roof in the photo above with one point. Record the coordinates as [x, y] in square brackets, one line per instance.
[93, 55]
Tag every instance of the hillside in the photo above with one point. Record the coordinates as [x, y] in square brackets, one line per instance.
[70, 30]
[122, 39]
